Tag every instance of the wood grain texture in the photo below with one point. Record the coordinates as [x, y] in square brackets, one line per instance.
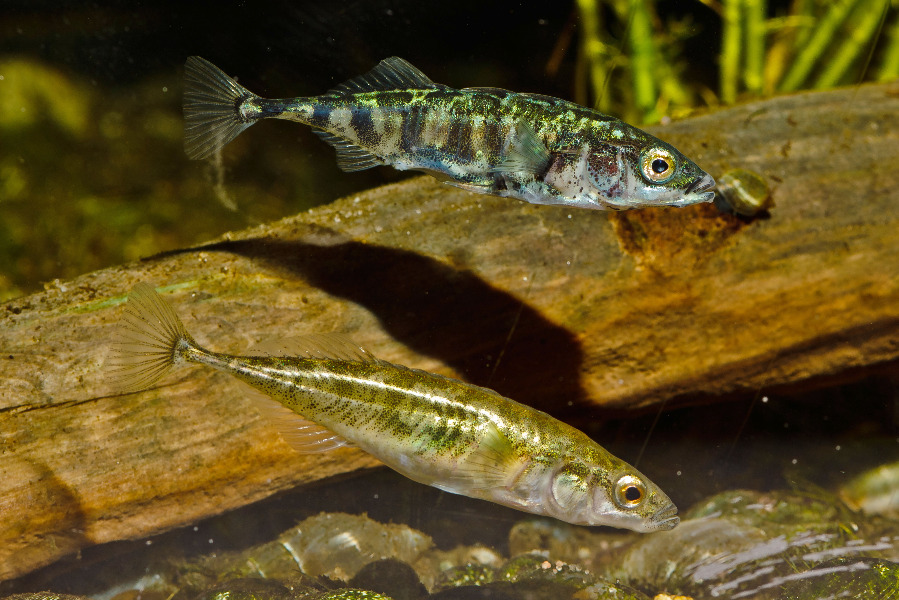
[557, 308]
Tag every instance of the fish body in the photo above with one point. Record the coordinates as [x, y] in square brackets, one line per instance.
[435, 430]
[536, 148]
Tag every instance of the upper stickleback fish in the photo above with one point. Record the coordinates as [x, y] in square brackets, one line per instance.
[435, 430]
[535, 148]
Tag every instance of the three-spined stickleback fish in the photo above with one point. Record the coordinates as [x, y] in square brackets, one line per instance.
[323, 392]
[535, 148]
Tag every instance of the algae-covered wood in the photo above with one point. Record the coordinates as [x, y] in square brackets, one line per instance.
[561, 309]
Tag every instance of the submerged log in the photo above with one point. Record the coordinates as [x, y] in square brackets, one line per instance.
[558, 308]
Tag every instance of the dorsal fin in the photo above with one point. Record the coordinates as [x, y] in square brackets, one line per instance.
[489, 90]
[392, 73]
[314, 345]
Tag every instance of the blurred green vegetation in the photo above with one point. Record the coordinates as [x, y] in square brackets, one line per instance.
[815, 44]
[91, 177]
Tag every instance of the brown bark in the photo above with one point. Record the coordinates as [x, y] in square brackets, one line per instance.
[554, 307]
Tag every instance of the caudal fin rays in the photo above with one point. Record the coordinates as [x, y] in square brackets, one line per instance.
[150, 340]
[211, 108]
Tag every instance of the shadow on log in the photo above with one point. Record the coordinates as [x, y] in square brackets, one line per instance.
[576, 312]
[482, 333]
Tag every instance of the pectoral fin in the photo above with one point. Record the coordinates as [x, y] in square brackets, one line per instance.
[493, 464]
[527, 154]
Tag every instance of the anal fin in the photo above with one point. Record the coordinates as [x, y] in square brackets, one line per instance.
[350, 157]
[301, 434]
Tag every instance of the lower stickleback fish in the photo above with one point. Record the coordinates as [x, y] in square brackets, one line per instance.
[323, 392]
[535, 148]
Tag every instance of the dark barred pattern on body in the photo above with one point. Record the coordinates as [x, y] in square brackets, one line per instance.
[535, 148]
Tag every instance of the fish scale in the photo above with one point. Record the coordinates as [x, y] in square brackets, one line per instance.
[531, 147]
[324, 392]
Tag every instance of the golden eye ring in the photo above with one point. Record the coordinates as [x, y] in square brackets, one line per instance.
[658, 165]
[629, 492]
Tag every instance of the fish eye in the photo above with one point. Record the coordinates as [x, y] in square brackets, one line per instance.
[658, 165]
[629, 492]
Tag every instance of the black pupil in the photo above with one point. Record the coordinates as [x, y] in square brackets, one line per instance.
[659, 166]
[632, 493]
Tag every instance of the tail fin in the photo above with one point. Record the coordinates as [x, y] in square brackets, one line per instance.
[151, 339]
[212, 100]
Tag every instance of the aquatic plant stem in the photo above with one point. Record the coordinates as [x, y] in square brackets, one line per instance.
[644, 58]
[824, 33]
[872, 15]
[804, 12]
[889, 68]
[754, 44]
[730, 50]
[594, 50]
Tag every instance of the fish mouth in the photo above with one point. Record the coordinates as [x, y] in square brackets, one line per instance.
[700, 189]
[666, 518]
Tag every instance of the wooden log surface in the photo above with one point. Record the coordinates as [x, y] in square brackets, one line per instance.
[554, 307]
